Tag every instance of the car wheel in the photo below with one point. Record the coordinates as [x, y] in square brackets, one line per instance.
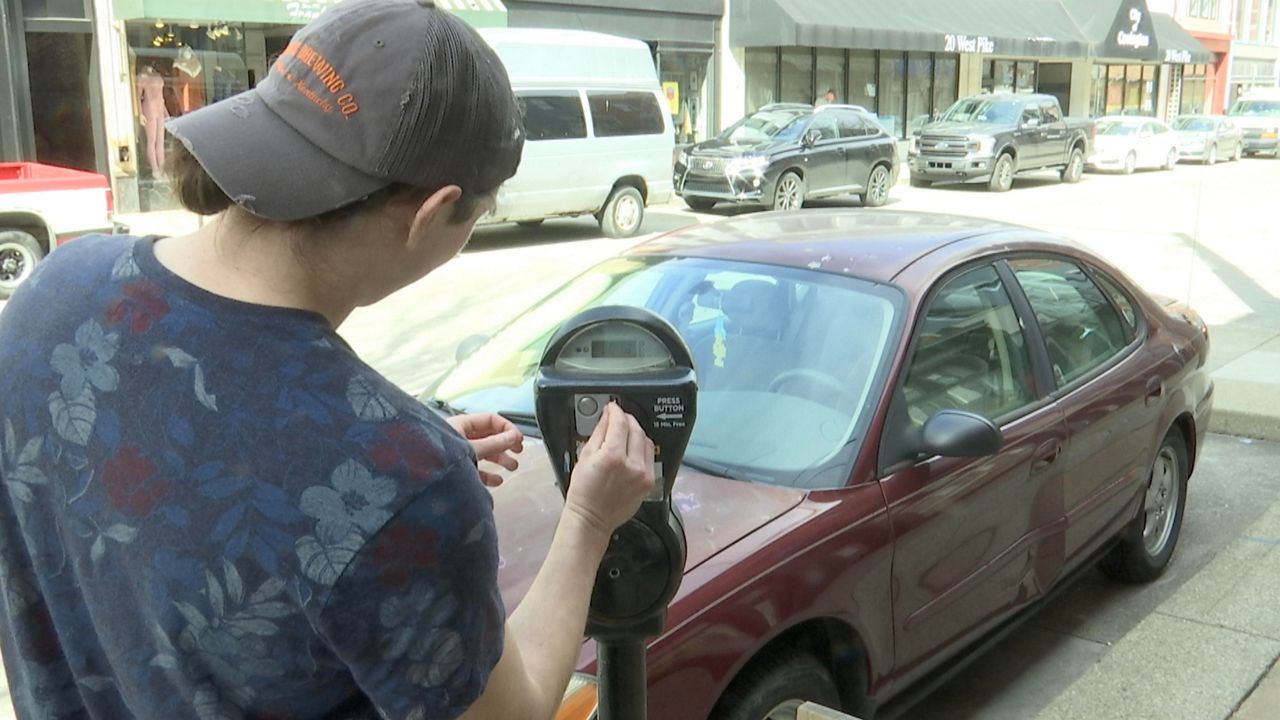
[1130, 163]
[790, 192]
[1075, 167]
[774, 688]
[1211, 156]
[19, 253]
[699, 204]
[1239, 153]
[920, 182]
[529, 223]
[1145, 547]
[1172, 159]
[623, 213]
[877, 193]
[1002, 174]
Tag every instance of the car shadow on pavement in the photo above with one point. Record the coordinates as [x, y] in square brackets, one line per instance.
[511, 235]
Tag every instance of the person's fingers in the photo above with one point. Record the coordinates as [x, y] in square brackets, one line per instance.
[506, 460]
[616, 438]
[635, 440]
[494, 446]
[601, 430]
[490, 479]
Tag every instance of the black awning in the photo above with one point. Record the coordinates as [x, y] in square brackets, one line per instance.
[1031, 28]
[678, 21]
[1177, 46]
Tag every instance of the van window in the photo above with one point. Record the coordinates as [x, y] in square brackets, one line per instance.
[552, 115]
[614, 114]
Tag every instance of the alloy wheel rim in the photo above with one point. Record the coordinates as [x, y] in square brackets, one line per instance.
[626, 214]
[1006, 172]
[1160, 505]
[789, 194]
[785, 710]
[1076, 162]
[879, 184]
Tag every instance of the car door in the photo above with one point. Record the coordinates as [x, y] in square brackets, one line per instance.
[1031, 138]
[1054, 132]
[1152, 146]
[824, 156]
[1107, 388]
[553, 177]
[975, 539]
[861, 148]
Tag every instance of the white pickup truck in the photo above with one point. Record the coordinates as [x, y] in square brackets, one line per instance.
[42, 207]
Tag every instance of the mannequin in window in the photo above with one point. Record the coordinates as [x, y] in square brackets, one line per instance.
[188, 86]
[152, 113]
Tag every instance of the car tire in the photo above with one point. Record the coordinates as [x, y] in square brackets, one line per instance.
[529, 223]
[920, 182]
[19, 253]
[1002, 174]
[1075, 167]
[775, 686]
[623, 213]
[1146, 545]
[790, 192]
[1239, 153]
[699, 204]
[1130, 163]
[1211, 155]
[1172, 159]
[877, 193]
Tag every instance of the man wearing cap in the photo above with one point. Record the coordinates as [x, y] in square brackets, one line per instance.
[209, 506]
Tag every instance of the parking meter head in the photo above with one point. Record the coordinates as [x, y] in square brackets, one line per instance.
[617, 354]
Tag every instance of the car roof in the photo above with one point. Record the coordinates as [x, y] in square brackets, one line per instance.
[876, 246]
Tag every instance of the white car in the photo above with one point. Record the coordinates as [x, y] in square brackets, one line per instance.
[1127, 143]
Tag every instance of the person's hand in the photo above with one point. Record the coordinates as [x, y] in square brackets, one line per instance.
[494, 439]
[614, 472]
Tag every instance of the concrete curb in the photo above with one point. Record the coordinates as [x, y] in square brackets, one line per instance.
[1240, 423]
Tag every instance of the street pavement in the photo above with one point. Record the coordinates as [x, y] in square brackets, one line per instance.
[1200, 643]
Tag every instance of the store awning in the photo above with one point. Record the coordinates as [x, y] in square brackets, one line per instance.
[667, 21]
[1177, 46]
[1030, 28]
[481, 13]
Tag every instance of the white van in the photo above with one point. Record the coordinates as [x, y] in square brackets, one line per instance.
[599, 138]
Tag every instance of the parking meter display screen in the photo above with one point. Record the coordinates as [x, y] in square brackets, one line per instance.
[615, 348]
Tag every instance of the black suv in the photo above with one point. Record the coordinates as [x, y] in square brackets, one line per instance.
[784, 154]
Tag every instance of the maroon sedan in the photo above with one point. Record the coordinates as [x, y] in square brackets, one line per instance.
[910, 428]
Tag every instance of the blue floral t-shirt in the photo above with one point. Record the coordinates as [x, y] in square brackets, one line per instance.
[215, 510]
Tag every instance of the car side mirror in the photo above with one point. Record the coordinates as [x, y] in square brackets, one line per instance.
[469, 346]
[812, 137]
[1031, 122]
[956, 433]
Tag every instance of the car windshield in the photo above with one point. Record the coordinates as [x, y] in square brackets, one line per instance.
[1194, 124]
[1116, 128]
[983, 110]
[788, 361]
[766, 125]
[1256, 108]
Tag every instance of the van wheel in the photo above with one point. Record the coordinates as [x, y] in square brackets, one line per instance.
[19, 253]
[623, 213]
[774, 687]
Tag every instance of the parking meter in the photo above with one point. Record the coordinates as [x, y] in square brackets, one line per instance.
[633, 357]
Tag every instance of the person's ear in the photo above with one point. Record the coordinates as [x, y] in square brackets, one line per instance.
[435, 210]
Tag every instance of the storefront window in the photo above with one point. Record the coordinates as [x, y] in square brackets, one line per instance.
[1002, 76]
[762, 77]
[1130, 89]
[893, 72]
[919, 91]
[797, 75]
[862, 78]
[946, 79]
[830, 74]
[1055, 79]
[1191, 101]
[177, 68]
[58, 70]
[1025, 79]
[1148, 103]
[686, 77]
[72, 9]
[1115, 90]
[1098, 94]
[1133, 87]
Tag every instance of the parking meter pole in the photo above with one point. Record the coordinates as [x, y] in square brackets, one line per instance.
[623, 679]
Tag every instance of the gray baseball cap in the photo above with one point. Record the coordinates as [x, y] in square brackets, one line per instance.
[373, 92]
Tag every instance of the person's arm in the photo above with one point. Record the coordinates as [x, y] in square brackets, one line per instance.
[544, 634]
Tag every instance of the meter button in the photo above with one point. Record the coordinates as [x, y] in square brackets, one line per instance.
[588, 405]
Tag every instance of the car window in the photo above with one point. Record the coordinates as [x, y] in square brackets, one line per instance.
[1122, 302]
[1030, 113]
[1081, 329]
[825, 124]
[615, 114]
[971, 354]
[552, 115]
[852, 126]
[1052, 114]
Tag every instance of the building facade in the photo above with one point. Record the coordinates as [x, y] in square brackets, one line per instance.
[1255, 53]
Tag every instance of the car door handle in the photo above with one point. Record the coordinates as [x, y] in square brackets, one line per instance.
[1155, 390]
[1047, 455]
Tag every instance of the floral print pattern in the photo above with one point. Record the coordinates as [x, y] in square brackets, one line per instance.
[215, 511]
